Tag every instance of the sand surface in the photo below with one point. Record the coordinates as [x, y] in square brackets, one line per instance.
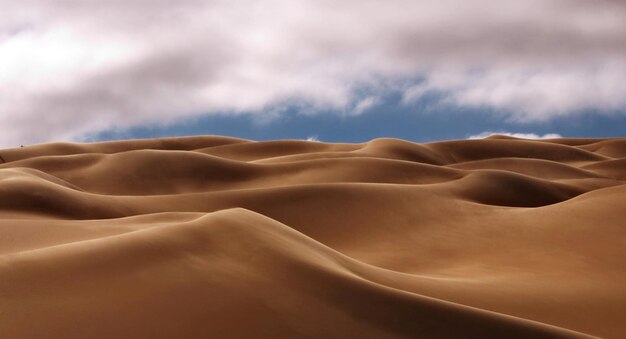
[215, 237]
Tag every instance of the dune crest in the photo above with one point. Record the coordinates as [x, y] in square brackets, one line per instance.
[212, 236]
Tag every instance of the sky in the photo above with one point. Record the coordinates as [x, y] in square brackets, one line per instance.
[422, 70]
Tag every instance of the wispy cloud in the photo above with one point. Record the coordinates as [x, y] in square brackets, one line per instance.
[69, 67]
[313, 138]
[364, 104]
[516, 135]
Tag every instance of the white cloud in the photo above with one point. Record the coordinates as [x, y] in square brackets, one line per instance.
[516, 135]
[364, 105]
[530, 93]
[313, 138]
[69, 67]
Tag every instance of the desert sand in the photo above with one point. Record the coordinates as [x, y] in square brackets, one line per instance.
[217, 237]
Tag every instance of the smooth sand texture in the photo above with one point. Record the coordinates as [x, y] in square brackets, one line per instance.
[214, 237]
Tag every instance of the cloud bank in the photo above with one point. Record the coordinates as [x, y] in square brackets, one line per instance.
[516, 135]
[68, 67]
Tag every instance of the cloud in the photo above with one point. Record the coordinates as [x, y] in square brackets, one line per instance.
[516, 135]
[313, 138]
[364, 105]
[530, 95]
[70, 67]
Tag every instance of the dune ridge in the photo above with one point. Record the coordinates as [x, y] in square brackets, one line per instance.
[213, 236]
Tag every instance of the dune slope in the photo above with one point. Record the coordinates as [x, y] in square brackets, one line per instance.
[203, 237]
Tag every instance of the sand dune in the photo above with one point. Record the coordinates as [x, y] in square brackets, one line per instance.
[215, 237]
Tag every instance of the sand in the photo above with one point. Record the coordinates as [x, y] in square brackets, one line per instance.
[216, 237]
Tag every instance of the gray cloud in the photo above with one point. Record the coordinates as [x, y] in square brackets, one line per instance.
[68, 67]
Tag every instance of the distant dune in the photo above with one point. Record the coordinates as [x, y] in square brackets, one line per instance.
[216, 237]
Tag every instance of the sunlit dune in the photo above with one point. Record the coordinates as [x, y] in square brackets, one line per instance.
[217, 237]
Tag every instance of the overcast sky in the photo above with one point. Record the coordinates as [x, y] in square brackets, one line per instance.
[82, 69]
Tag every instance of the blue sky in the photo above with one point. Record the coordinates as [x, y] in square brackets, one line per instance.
[391, 119]
[349, 71]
